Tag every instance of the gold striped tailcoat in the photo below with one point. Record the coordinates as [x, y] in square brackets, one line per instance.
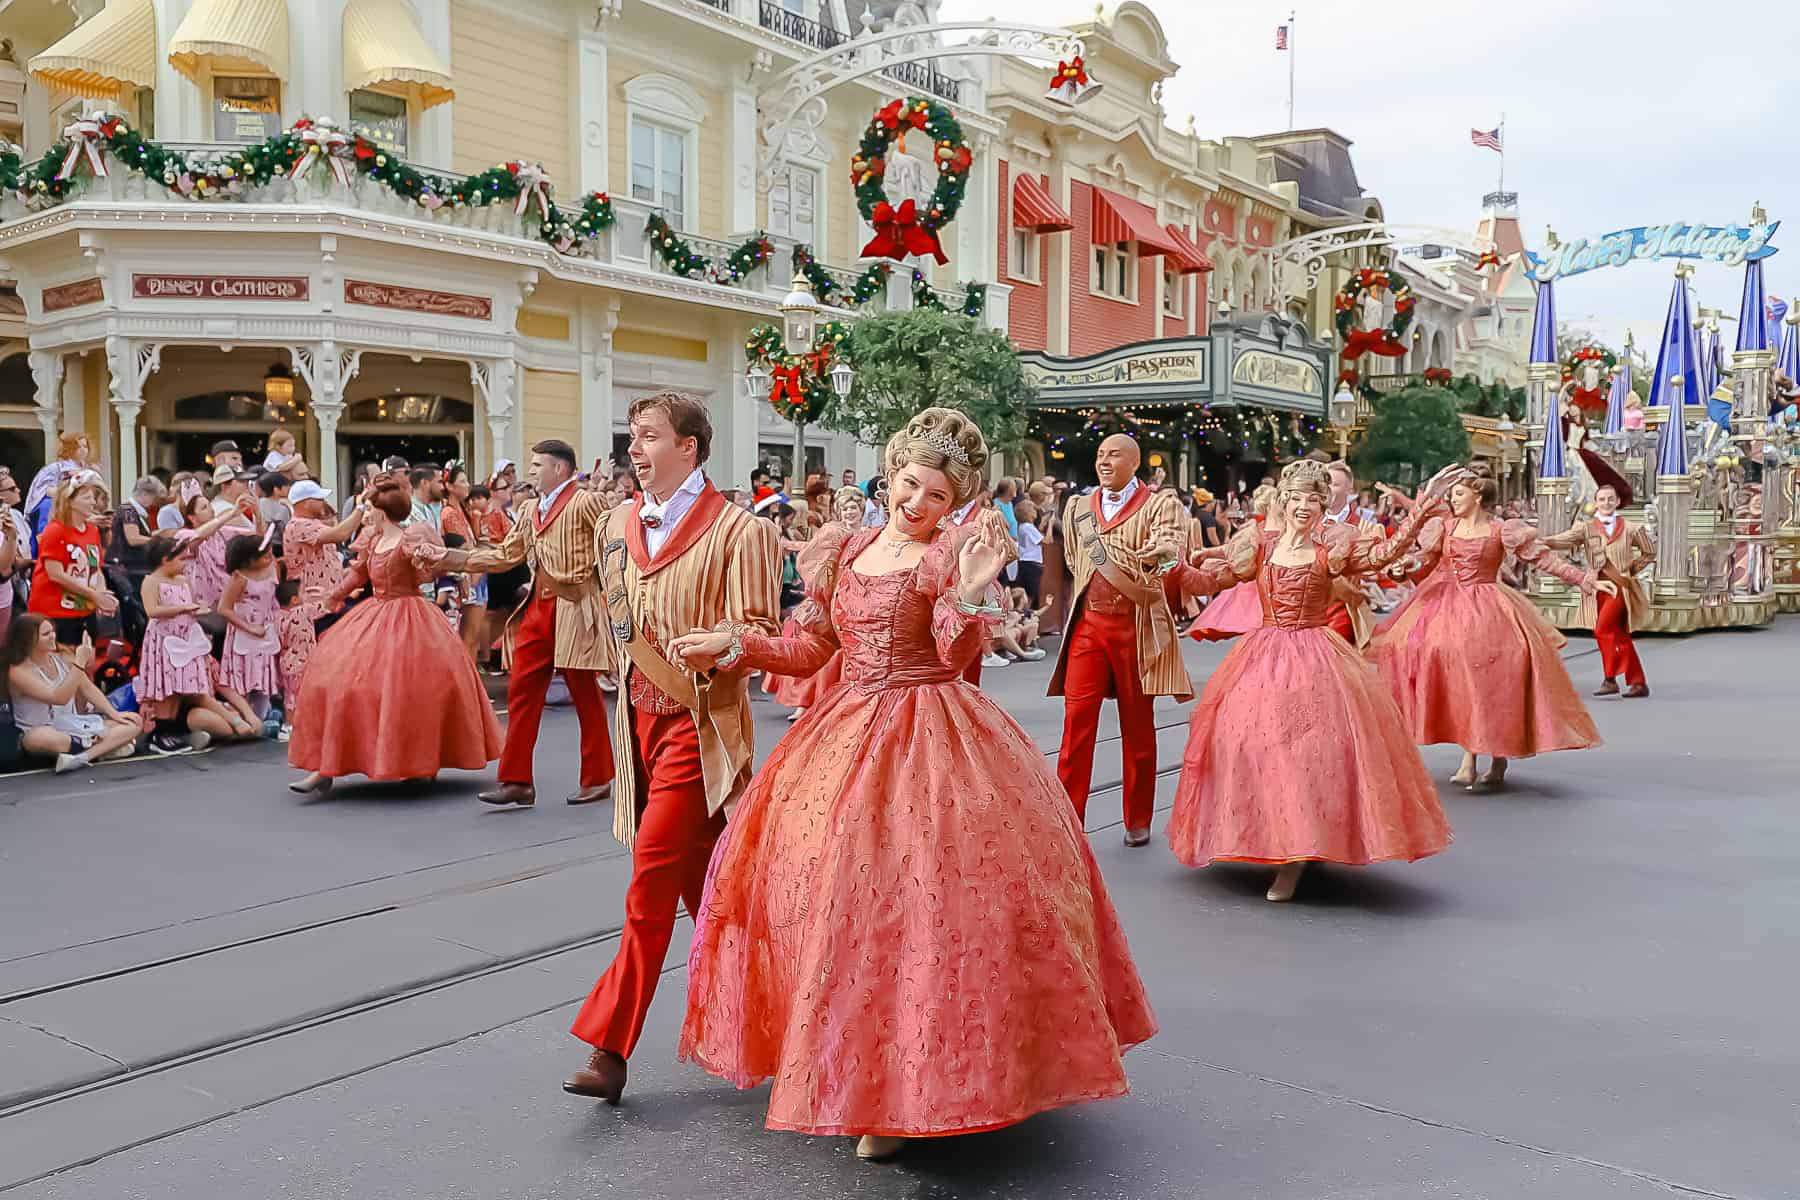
[562, 558]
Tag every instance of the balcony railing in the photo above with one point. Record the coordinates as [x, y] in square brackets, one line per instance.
[777, 19]
[923, 76]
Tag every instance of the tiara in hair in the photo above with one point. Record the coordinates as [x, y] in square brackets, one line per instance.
[945, 445]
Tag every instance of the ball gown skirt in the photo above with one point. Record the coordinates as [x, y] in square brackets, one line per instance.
[390, 693]
[1297, 752]
[904, 927]
[1470, 662]
[1230, 614]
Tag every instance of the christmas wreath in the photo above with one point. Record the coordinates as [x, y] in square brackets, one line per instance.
[1385, 341]
[801, 389]
[903, 231]
[1590, 400]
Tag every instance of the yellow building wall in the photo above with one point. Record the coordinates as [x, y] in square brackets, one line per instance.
[710, 172]
[512, 94]
[552, 407]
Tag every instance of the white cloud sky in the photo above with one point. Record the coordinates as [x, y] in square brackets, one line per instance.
[1617, 115]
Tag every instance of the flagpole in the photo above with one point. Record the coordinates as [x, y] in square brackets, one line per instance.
[1502, 186]
[1291, 52]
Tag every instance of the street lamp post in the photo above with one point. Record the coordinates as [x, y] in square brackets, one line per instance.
[1343, 416]
[800, 329]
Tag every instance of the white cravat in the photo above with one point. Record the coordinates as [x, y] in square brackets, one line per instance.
[1610, 523]
[660, 519]
[1112, 502]
[961, 515]
[548, 501]
[1341, 516]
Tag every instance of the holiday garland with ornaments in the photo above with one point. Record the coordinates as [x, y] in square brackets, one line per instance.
[902, 231]
[801, 387]
[317, 149]
[1385, 341]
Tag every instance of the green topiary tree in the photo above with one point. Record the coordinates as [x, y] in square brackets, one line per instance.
[1416, 431]
[909, 361]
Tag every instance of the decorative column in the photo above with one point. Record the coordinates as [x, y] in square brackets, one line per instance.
[496, 386]
[47, 382]
[740, 150]
[129, 363]
[1753, 362]
[739, 421]
[598, 416]
[1674, 500]
[592, 107]
[326, 370]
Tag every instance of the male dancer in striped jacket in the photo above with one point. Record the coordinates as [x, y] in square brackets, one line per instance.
[676, 559]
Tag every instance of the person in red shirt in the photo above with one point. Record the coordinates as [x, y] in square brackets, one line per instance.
[68, 585]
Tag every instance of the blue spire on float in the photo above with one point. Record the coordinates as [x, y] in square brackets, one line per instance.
[1712, 362]
[1671, 447]
[1543, 326]
[1787, 361]
[1753, 332]
[1676, 353]
[1615, 399]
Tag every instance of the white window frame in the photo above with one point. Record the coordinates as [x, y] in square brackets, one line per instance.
[1024, 255]
[821, 169]
[1174, 287]
[1116, 257]
[664, 102]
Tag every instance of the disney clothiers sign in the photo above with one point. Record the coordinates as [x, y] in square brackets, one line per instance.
[1731, 245]
[219, 287]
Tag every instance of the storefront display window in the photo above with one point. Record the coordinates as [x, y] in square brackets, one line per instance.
[380, 118]
[246, 108]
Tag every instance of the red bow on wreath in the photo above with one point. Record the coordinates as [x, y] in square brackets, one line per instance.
[891, 117]
[1590, 400]
[787, 388]
[1372, 341]
[1070, 72]
[898, 234]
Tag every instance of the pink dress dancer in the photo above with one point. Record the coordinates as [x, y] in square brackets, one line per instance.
[1470, 661]
[253, 664]
[1296, 751]
[903, 925]
[390, 692]
[177, 656]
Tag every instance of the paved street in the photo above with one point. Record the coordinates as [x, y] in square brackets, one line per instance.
[212, 988]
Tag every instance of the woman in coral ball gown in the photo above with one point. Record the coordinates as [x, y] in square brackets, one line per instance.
[817, 556]
[1296, 752]
[903, 925]
[1468, 659]
[1238, 609]
[390, 692]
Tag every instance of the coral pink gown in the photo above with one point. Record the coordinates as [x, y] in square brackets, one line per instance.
[390, 692]
[1471, 662]
[819, 555]
[903, 924]
[1296, 750]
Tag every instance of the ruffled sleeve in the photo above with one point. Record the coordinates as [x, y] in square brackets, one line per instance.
[1431, 548]
[355, 576]
[960, 637]
[423, 548]
[1353, 551]
[1521, 539]
[1234, 563]
[809, 639]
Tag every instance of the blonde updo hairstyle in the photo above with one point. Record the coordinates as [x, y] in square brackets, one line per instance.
[1298, 478]
[1261, 499]
[914, 446]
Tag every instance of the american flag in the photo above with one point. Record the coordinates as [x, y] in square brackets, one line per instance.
[1281, 37]
[1486, 137]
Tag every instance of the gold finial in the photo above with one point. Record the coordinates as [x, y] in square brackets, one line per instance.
[1757, 215]
[1684, 270]
[1550, 238]
[1629, 343]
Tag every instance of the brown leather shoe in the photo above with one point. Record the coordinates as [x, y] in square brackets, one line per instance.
[521, 794]
[603, 1078]
[591, 795]
[1637, 691]
[1137, 837]
[1609, 688]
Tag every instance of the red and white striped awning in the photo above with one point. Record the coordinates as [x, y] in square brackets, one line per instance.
[1189, 258]
[1117, 219]
[1032, 208]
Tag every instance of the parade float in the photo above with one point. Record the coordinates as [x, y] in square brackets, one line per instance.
[1712, 464]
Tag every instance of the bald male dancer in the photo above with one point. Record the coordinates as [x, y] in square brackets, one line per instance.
[1119, 642]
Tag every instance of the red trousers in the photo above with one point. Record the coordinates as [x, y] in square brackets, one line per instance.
[675, 840]
[533, 663]
[1612, 629]
[1102, 660]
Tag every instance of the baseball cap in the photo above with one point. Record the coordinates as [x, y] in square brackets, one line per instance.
[306, 489]
[224, 474]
